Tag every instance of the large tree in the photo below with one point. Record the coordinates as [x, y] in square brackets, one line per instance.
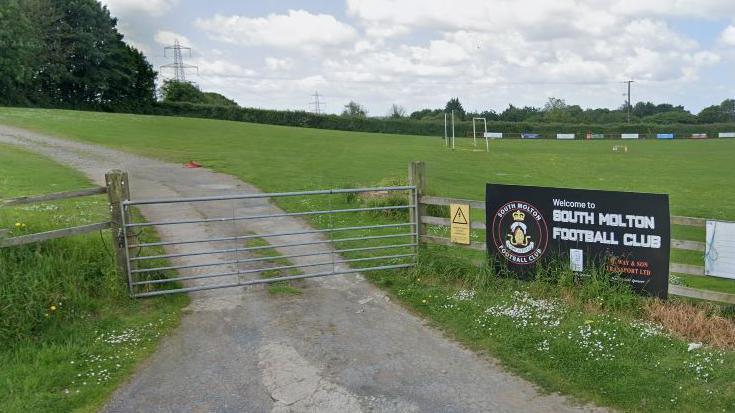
[516, 114]
[68, 53]
[175, 91]
[355, 110]
[556, 110]
[20, 50]
[455, 105]
[396, 111]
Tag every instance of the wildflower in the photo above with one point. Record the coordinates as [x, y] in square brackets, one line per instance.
[52, 308]
[423, 301]
[463, 295]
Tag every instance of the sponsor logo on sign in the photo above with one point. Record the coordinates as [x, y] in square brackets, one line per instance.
[520, 232]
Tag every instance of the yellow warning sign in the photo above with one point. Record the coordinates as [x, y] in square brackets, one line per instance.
[459, 215]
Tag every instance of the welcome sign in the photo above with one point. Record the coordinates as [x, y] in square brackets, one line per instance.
[627, 233]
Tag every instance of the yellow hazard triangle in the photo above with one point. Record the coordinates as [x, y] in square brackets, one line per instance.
[459, 217]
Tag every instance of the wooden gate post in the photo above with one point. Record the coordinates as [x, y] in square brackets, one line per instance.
[417, 178]
[118, 190]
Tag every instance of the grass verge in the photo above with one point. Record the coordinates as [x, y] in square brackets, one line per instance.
[592, 340]
[69, 333]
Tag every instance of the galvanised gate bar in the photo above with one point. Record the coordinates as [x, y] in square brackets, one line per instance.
[249, 237]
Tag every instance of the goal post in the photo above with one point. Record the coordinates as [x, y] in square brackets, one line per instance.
[474, 132]
[453, 147]
[446, 133]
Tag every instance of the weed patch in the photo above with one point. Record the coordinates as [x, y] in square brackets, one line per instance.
[694, 322]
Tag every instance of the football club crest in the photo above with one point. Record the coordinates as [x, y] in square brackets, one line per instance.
[520, 233]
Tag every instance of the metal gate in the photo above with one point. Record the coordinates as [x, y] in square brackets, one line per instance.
[240, 240]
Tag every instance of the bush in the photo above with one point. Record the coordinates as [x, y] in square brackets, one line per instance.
[408, 126]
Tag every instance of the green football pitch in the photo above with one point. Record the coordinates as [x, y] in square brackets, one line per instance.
[697, 174]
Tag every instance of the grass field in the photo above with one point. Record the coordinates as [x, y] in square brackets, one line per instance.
[696, 174]
[69, 334]
[583, 341]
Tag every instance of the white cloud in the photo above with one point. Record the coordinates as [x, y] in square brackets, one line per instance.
[167, 38]
[538, 41]
[221, 68]
[711, 9]
[297, 30]
[440, 52]
[545, 15]
[728, 35]
[129, 7]
[274, 63]
[656, 34]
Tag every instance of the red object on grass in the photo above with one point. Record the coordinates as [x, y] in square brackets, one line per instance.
[192, 164]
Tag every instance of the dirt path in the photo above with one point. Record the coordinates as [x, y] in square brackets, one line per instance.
[341, 346]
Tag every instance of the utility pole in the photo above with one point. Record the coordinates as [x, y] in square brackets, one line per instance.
[628, 95]
[178, 65]
[317, 104]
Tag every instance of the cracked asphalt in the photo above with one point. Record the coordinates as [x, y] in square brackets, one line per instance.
[340, 346]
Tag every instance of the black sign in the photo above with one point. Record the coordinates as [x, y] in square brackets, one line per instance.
[627, 233]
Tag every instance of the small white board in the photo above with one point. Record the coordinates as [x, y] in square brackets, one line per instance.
[576, 260]
[493, 135]
[628, 136]
[564, 136]
[719, 252]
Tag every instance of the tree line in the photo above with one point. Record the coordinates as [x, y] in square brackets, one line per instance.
[558, 111]
[68, 53]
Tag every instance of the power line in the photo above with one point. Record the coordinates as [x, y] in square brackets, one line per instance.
[178, 65]
[317, 103]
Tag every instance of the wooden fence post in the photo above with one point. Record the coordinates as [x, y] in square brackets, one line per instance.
[417, 178]
[118, 190]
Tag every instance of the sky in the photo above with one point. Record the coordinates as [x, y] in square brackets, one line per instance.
[418, 54]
